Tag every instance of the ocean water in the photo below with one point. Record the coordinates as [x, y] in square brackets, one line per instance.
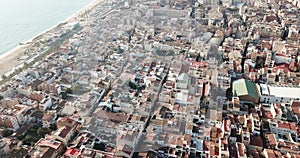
[20, 20]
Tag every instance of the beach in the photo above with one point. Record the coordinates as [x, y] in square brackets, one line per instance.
[11, 59]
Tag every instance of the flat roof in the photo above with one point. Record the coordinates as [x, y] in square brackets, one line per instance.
[285, 91]
[244, 87]
[182, 96]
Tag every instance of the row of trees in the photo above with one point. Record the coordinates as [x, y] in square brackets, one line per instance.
[33, 134]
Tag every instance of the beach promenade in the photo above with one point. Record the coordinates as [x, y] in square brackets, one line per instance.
[12, 59]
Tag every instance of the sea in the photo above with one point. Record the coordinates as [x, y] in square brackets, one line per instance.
[21, 20]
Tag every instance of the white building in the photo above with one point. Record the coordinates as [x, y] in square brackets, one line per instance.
[183, 81]
[46, 103]
[278, 46]
[284, 130]
[278, 93]
[182, 97]
[24, 91]
[282, 58]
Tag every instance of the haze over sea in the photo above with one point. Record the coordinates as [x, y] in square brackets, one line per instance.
[20, 20]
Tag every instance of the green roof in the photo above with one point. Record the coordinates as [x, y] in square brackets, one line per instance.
[244, 87]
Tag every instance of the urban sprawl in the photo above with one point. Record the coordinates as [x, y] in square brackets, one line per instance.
[159, 78]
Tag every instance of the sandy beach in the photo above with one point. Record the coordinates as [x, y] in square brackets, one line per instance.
[9, 60]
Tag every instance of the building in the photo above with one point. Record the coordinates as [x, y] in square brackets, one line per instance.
[9, 122]
[183, 81]
[64, 134]
[46, 147]
[49, 118]
[245, 90]
[72, 153]
[4, 147]
[20, 112]
[278, 93]
[284, 130]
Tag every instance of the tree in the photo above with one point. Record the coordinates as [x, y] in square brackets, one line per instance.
[53, 127]
[28, 137]
[27, 140]
[21, 137]
[69, 91]
[132, 85]
[41, 132]
[64, 95]
[6, 132]
[100, 147]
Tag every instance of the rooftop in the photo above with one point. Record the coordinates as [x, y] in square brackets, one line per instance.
[284, 91]
[72, 152]
[243, 87]
[49, 142]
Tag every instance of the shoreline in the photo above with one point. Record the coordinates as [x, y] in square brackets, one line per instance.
[10, 59]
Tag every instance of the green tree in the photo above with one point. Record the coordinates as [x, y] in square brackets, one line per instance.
[100, 147]
[21, 137]
[132, 85]
[28, 138]
[64, 95]
[69, 91]
[53, 126]
[41, 132]
[6, 132]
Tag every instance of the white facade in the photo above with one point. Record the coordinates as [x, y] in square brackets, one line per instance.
[278, 46]
[278, 93]
[21, 119]
[281, 58]
[15, 123]
[23, 91]
[48, 103]
[183, 81]
[182, 97]
[164, 98]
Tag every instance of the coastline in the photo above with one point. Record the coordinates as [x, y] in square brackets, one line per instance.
[9, 60]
